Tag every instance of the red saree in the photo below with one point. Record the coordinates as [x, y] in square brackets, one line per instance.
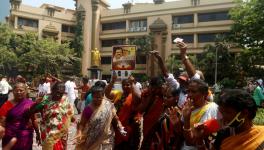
[5, 108]
[124, 115]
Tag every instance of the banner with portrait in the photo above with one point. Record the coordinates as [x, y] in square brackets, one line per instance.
[124, 60]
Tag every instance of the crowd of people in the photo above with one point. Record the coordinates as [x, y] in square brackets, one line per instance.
[171, 113]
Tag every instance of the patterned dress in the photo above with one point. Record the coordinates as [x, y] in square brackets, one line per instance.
[56, 117]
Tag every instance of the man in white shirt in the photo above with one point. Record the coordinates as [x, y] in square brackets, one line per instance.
[4, 90]
[70, 90]
[46, 87]
[41, 87]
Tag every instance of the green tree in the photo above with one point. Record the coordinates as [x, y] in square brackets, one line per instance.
[247, 29]
[226, 63]
[35, 57]
[248, 33]
[173, 63]
[78, 39]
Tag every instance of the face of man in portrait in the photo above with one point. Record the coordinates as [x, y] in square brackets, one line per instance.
[118, 53]
[125, 53]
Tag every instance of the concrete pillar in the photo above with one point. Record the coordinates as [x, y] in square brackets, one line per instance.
[87, 36]
[195, 19]
[127, 25]
[195, 40]
[95, 24]
[16, 22]
[159, 31]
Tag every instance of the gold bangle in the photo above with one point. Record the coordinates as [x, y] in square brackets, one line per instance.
[187, 130]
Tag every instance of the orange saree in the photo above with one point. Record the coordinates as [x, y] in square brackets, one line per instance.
[251, 139]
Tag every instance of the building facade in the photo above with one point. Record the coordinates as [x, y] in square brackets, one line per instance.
[46, 21]
[196, 21]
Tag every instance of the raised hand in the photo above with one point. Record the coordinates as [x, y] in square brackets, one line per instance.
[182, 46]
[131, 79]
[174, 115]
[155, 53]
[187, 110]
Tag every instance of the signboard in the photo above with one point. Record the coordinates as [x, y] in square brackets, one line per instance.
[123, 60]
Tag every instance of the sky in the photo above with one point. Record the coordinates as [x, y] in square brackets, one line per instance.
[4, 9]
[70, 3]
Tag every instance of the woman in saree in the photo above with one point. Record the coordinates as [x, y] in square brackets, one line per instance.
[238, 109]
[56, 114]
[197, 110]
[95, 130]
[127, 102]
[16, 119]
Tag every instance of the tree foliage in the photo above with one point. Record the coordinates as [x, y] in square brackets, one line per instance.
[34, 57]
[78, 38]
[143, 44]
[248, 17]
[173, 63]
[226, 63]
[248, 33]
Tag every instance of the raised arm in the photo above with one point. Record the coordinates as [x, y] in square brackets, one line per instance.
[54, 78]
[135, 90]
[109, 87]
[185, 59]
[167, 76]
[161, 63]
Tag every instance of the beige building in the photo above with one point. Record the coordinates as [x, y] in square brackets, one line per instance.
[196, 21]
[45, 21]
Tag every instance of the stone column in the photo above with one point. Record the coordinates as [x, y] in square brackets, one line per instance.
[195, 19]
[159, 31]
[15, 23]
[195, 40]
[95, 24]
[86, 6]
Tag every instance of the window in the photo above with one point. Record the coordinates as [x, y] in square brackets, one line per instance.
[215, 16]
[106, 60]
[182, 19]
[72, 29]
[68, 28]
[114, 26]
[27, 22]
[138, 25]
[109, 43]
[195, 2]
[51, 11]
[187, 38]
[209, 37]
